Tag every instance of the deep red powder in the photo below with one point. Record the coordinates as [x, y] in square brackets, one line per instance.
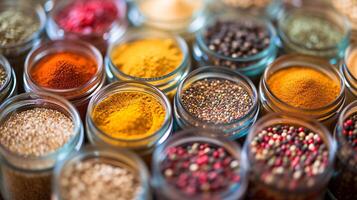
[88, 16]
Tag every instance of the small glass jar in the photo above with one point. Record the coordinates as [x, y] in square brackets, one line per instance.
[167, 83]
[30, 177]
[16, 53]
[120, 158]
[251, 66]
[78, 96]
[332, 53]
[270, 103]
[165, 190]
[350, 79]
[186, 28]
[344, 182]
[284, 187]
[99, 40]
[143, 146]
[233, 130]
[9, 88]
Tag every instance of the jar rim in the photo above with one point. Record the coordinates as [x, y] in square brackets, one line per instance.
[300, 60]
[4, 63]
[137, 34]
[200, 135]
[40, 15]
[200, 41]
[283, 118]
[346, 27]
[211, 72]
[117, 87]
[38, 99]
[38, 51]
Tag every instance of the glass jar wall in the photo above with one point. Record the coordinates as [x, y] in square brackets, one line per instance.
[8, 86]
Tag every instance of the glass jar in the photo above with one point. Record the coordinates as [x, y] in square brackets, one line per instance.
[251, 66]
[233, 130]
[186, 28]
[283, 186]
[30, 177]
[344, 182]
[327, 114]
[350, 79]
[9, 88]
[333, 52]
[16, 53]
[167, 83]
[120, 158]
[99, 40]
[78, 96]
[142, 146]
[348, 8]
[165, 190]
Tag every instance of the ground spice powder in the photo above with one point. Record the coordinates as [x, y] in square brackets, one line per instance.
[129, 115]
[64, 70]
[147, 58]
[352, 63]
[303, 87]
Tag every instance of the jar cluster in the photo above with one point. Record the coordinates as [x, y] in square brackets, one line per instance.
[175, 99]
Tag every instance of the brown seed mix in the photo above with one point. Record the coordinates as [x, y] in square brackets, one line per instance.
[36, 132]
[96, 179]
[3, 75]
[217, 100]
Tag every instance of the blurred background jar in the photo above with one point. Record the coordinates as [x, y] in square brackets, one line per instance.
[8, 84]
[349, 9]
[348, 68]
[98, 22]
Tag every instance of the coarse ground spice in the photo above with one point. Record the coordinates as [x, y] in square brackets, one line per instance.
[312, 32]
[147, 58]
[352, 63]
[200, 168]
[289, 150]
[88, 16]
[129, 115]
[95, 179]
[217, 100]
[3, 76]
[303, 87]
[16, 27]
[64, 70]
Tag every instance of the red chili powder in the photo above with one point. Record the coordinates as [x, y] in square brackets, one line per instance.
[63, 70]
[88, 16]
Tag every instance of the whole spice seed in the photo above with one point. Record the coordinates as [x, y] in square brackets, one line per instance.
[290, 151]
[129, 115]
[3, 76]
[352, 63]
[312, 32]
[88, 16]
[95, 179]
[64, 70]
[217, 100]
[350, 130]
[200, 168]
[17, 27]
[303, 87]
[147, 58]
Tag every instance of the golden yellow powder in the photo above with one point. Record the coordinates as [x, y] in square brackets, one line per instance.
[147, 58]
[129, 115]
[303, 87]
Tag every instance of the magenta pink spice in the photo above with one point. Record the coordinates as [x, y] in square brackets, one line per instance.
[88, 16]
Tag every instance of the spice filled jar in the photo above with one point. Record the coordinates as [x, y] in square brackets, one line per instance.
[348, 8]
[68, 68]
[8, 85]
[305, 86]
[129, 114]
[289, 158]
[22, 25]
[95, 172]
[314, 31]
[98, 22]
[36, 131]
[217, 98]
[348, 69]
[158, 58]
[195, 164]
[243, 43]
[179, 17]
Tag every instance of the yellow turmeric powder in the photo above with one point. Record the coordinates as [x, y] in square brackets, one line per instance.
[303, 87]
[147, 58]
[129, 115]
